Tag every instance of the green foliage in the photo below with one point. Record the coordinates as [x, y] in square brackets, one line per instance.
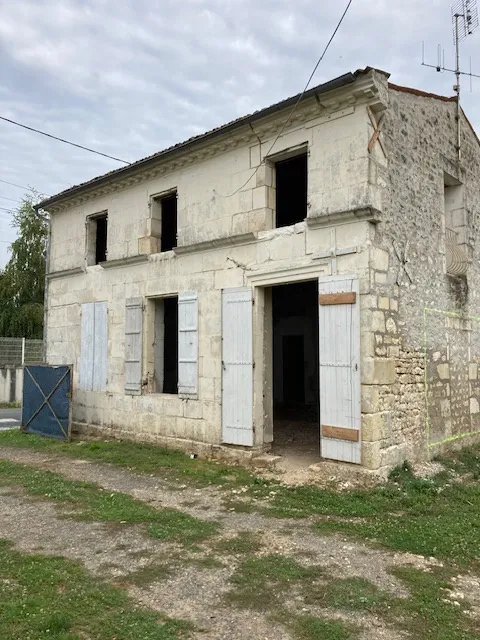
[22, 282]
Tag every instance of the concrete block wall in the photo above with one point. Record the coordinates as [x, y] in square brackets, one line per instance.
[11, 384]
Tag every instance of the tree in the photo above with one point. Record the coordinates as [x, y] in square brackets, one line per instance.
[22, 282]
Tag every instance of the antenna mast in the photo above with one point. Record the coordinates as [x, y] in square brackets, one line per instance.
[465, 21]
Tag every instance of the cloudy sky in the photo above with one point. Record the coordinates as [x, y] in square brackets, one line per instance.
[130, 77]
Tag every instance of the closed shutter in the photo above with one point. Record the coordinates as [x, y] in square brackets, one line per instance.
[339, 352]
[87, 346]
[133, 345]
[237, 367]
[100, 347]
[188, 342]
[94, 346]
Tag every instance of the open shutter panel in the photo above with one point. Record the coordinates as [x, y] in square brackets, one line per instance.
[100, 347]
[86, 346]
[133, 345]
[187, 342]
[237, 367]
[339, 351]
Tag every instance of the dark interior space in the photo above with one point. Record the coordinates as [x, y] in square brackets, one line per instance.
[168, 239]
[100, 239]
[295, 369]
[170, 353]
[291, 190]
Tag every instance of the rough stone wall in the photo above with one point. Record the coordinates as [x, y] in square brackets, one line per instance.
[440, 404]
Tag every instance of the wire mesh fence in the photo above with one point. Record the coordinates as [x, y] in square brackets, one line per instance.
[19, 351]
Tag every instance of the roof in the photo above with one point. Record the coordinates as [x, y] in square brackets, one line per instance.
[422, 94]
[336, 83]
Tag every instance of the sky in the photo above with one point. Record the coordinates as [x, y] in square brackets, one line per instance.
[131, 77]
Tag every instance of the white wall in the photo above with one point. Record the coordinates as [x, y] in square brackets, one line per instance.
[11, 384]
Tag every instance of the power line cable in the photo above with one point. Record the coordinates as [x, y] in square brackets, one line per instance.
[297, 101]
[73, 144]
[16, 185]
[4, 209]
[11, 199]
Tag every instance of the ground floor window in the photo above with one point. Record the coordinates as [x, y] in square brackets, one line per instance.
[165, 345]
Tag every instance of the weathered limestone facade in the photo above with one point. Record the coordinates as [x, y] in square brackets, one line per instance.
[375, 211]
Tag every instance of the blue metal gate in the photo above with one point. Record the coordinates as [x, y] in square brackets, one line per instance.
[46, 406]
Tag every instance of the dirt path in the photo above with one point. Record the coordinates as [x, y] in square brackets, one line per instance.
[191, 591]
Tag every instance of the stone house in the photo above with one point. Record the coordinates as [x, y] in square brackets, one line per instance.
[226, 296]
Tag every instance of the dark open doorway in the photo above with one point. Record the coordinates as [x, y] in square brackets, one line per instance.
[295, 370]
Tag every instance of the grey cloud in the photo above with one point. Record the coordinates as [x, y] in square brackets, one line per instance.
[130, 77]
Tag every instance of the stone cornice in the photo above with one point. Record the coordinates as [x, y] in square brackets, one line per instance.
[366, 89]
[65, 273]
[365, 214]
[121, 262]
[228, 241]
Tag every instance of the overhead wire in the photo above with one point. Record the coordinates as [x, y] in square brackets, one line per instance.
[11, 199]
[15, 185]
[287, 121]
[73, 144]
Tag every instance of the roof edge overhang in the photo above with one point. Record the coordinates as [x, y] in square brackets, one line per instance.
[117, 175]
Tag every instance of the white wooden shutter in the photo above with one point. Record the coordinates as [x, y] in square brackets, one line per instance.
[339, 352]
[237, 367]
[188, 342]
[100, 347]
[133, 345]
[87, 346]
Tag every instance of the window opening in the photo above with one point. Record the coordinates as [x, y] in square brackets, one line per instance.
[168, 206]
[166, 345]
[96, 239]
[291, 190]
[101, 239]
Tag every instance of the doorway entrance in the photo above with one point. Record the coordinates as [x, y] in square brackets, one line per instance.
[295, 371]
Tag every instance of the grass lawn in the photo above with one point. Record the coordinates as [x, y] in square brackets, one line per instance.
[90, 502]
[51, 598]
[438, 517]
[173, 466]
[10, 405]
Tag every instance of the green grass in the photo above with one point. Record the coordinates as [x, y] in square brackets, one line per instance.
[424, 614]
[52, 598]
[433, 517]
[92, 503]
[10, 405]
[312, 628]
[173, 466]
[241, 544]
[260, 582]
[351, 594]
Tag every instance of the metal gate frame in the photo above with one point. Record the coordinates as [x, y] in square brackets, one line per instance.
[65, 434]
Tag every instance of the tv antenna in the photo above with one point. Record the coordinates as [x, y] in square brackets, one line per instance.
[465, 21]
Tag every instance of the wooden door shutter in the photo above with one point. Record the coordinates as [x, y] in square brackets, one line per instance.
[87, 346]
[237, 366]
[133, 345]
[339, 354]
[100, 347]
[188, 342]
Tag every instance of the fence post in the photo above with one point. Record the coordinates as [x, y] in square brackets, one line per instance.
[23, 351]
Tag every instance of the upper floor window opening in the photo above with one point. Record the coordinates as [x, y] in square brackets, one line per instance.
[164, 215]
[97, 235]
[291, 190]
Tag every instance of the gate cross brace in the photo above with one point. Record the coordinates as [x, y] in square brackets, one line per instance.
[377, 128]
[46, 400]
